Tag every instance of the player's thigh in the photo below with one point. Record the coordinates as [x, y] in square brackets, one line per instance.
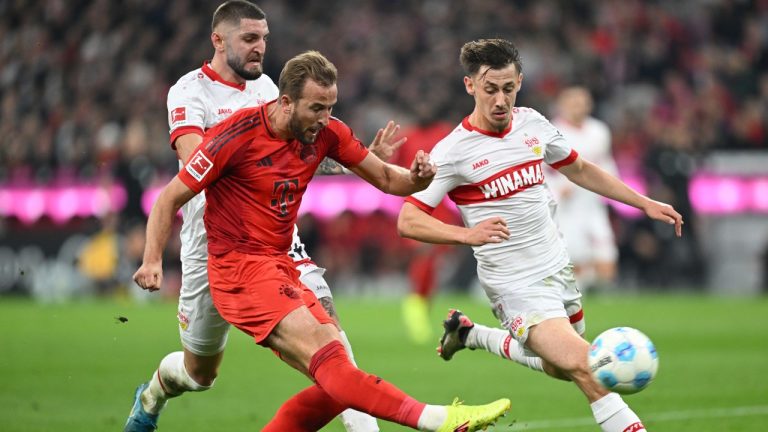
[555, 341]
[202, 330]
[556, 297]
[255, 293]
[298, 336]
[312, 277]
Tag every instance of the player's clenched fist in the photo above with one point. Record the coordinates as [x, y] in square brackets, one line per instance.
[422, 166]
[491, 230]
[149, 276]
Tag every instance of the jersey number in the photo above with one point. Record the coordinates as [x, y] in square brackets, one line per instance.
[284, 194]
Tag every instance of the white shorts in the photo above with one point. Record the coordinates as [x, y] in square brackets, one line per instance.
[589, 236]
[203, 331]
[556, 296]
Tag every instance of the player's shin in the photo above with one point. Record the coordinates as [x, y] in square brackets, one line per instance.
[614, 415]
[171, 379]
[355, 421]
[501, 343]
[331, 369]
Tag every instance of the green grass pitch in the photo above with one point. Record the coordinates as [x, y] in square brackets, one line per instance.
[74, 367]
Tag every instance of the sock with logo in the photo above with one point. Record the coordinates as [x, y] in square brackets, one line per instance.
[614, 415]
[501, 343]
[169, 380]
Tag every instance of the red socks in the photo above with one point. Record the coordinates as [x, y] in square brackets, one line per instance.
[341, 385]
[422, 274]
[353, 388]
[308, 410]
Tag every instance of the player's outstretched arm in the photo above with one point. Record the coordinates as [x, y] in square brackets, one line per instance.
[393, 179]
[416, 224]
[150, 275]
[384, 147]
[591, 177]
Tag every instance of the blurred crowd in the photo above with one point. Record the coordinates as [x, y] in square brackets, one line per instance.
[83, 82]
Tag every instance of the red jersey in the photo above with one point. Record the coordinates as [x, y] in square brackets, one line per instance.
[254, 181]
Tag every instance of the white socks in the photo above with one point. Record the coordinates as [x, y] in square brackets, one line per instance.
[613, 415]
[175, 381]
[501, 343]
[432, 418]
[356, 421]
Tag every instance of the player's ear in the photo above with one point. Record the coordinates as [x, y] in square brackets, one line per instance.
[286, 104]
[218, 41]
[519, 82]
[469, 85]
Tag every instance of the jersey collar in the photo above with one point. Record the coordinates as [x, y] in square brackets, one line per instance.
[210, 73]
[468, 126]
[265, 116]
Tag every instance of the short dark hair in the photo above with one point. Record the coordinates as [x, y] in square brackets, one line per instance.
[233, 11]
[495, 53]
[307, 65]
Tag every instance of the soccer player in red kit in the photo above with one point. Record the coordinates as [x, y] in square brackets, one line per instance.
[255, 167]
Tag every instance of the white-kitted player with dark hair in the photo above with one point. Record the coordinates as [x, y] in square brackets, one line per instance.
[491, 166]
[583, 215]
[233, 79]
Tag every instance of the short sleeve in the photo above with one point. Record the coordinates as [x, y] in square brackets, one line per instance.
[186, 111]
[350, 151]
[557, 152]
[215, 153]
[444, 182]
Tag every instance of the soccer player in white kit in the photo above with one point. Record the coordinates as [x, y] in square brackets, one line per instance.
[582, 215]
[232, 80]
[491, 167]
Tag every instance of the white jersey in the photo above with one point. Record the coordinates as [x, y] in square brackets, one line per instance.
[593, 142]
[581, 214]
[500, 174]
[198, 101]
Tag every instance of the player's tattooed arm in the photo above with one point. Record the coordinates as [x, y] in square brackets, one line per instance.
[329, 167]
[327, 303]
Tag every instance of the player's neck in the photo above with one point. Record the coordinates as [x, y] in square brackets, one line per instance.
[220, 66]
[575, 121]
[278, 121]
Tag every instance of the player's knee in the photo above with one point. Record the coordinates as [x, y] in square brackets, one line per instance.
[576, 370]
[204, 377]
[202, 370]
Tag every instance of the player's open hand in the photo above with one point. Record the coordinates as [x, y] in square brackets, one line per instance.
[384, 145]
[149, 276]
[665, 213]
[491, 230]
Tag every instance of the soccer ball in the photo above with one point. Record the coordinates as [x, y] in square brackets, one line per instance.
[623, 360]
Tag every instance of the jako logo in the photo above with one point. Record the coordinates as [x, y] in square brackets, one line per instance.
[225, 111]
[482, 163]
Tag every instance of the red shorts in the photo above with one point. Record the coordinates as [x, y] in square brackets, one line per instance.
[255, 292]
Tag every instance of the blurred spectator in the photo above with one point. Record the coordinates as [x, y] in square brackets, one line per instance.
[83, 82]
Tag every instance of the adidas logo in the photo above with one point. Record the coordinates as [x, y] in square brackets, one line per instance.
[267, 161]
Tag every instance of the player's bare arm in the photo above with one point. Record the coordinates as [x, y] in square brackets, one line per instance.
[186, 144]
[416, 224]
[593, 178]
[396, 180]
[150, 275]
[383, 149]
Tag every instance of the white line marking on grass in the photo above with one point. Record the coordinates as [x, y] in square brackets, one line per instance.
[660, 417]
